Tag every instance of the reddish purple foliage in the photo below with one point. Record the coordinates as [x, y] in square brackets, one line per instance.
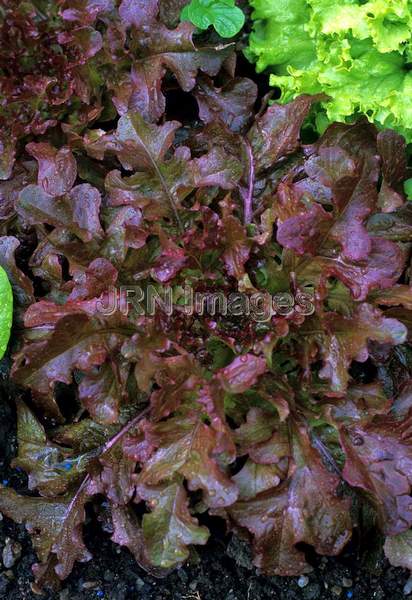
[263, 421]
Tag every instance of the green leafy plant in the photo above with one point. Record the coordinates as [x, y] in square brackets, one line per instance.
[408, 188]
[224, 15]
[356, 52]
[6, 311]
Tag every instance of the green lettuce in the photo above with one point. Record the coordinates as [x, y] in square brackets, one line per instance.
[358, 53]
[6, 311]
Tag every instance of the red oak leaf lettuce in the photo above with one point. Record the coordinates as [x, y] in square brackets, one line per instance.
[110, 189]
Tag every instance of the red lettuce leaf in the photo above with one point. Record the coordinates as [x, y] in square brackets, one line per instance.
[295, 512]
[378, 460]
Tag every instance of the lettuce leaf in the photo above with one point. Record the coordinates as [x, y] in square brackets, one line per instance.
[6, 311]
[355, 52]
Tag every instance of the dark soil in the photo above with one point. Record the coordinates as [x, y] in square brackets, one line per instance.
[221, 570]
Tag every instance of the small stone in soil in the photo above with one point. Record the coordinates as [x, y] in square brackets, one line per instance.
[11, 553]
[139, 583]
[346, 582]
[90, 585]
[407, 588]
[303, 581]
[336, 590]
[379, 594]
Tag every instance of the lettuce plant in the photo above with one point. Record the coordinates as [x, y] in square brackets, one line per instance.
[356, 52]
[154, 420]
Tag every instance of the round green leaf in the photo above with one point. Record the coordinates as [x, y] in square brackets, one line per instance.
[407, 186]
[184, 15]
[6, 311]
[228, 20]
[200, 16]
